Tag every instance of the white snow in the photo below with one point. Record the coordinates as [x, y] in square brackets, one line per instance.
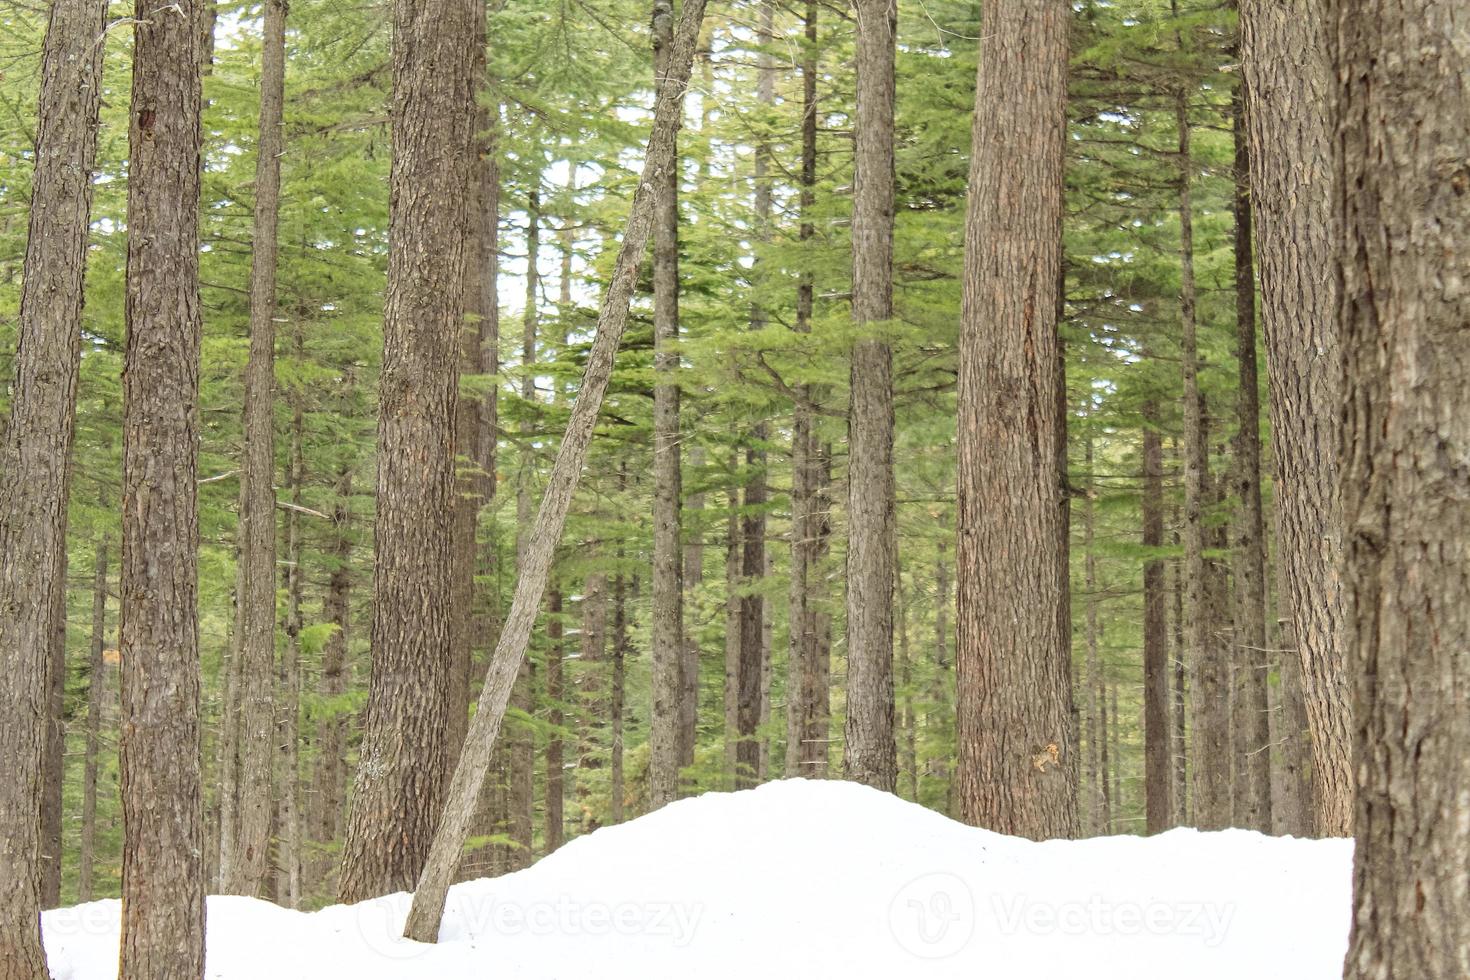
[813, 879]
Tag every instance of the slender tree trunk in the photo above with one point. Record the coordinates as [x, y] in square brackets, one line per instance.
[244, 874]
[1105, 759]
[1404, 313]
[1089, 581]
[35, 456]
[908, 765]
[1015, 774]
[1157, 738]
[1289, 90]
[615, 701]
[870, 752]
[330, 777]
[1117, 753]
[403, 760]
[592, 708]
[668, 571]
[733, 607]
[1180, 744]
[1250, 701]
[941, 693]
[555, 783]
[693, 550]
[448, 843]
[288, 680]
[1211, 722]
[163, 825]
[97, 688]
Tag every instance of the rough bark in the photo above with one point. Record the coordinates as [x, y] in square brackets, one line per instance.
[53, 762]
[1291, 791]
[34, 467]
[1403, 261]
[1289, 114]
[870, 753]
[805, 740]
[733, 606]
[400, 785]
[616, 694]
[1250, 719]
[667, 633]
[245, 870]
[428, 906]
[1178, 689]
[163, 826]
[1157, 738]
[1210, 719]
[288, 680]
[98, 681]
[1015, 701]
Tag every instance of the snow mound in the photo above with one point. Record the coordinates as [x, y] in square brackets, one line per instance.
[814, 879]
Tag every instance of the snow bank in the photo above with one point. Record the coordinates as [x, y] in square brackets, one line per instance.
[814, 879]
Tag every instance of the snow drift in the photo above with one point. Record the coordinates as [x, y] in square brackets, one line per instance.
[816, 879]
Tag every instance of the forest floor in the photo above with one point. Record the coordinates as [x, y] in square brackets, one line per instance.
[814, 879]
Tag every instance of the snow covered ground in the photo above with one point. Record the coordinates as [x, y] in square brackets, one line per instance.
[813, 879]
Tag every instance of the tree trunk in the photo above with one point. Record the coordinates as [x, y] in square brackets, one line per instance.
[591, 706]
[403, 759]
[453, 826]
[97, 694]
[53, 763]
[869, 756]
[733, 607]
[1289, 99]
[667, 634]
[1211, 720]
[288, 682]
[1291, 791]
[245, 871]
[616, 697]
[1250, 719]
[1015, 717]
[35, 467]
[1180, 745]
[1090, 681]
[555, 783]
[330, 777]
[1157, 740]
[1403, 262]
[1105, 783]
[908, 763]
[163, 825]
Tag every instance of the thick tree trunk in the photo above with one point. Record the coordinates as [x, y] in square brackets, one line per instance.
[453, 826]
[163, 825]
[667, 634]
[1157, 738]
[53, 762]
[870, 753]
[1250, 718]
[1291, 791]
[403, 760]
[1404, 313]
[1015, 719]
[97, 696]
[1289, 113]
[35, 468]
[248, 853]
[1211, 719]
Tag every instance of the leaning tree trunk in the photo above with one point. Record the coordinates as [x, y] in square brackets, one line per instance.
[245, 869]
[1014, 682]
[667, 633]
[453, 825]
[34, 469]
[1289, 113]
[163, 825]
[1403, 208]
[400, 786]
[870, 753]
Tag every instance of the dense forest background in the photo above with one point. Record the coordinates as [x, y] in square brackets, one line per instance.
[1154, 136]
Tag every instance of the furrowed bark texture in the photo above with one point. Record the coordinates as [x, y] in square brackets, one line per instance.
[1403, 207]
[453, 826]
[870, 755]
[34, 469]
[1289, 112]
[163, 826]
[1015, 701]
[403, 760]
